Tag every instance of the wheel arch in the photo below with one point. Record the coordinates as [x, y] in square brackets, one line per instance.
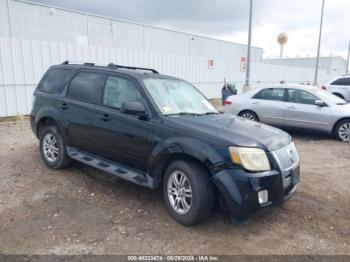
[336, 93]
[337, 122]
[48, 115]
[45, 121]
[160, 167]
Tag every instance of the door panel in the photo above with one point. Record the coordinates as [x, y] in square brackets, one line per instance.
[124, 138]
[302, 113]
[271, 112]
[79, 118]
[79, 108]
[270, 106]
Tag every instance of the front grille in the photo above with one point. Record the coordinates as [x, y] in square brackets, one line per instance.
[287, 157]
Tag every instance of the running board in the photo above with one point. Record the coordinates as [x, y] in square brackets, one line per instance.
[111, 167]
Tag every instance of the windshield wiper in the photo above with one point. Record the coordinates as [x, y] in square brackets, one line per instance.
[209, 113]
[183, 114]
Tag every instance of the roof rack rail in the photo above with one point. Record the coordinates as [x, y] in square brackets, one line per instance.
[66, 62]
[114, 66]
[89, 64]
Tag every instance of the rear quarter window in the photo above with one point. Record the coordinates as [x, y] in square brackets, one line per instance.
[55, 81]
[86, 86]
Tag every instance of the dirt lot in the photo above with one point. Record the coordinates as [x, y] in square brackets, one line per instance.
[81, 211]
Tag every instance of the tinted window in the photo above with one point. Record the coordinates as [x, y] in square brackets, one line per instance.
[276, 94]
[301, 97]
[55, 81]
[119, 90]
[86, 87]
[342, 82]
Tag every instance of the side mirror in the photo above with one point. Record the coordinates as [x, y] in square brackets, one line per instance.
[133, 108]
[320, 103]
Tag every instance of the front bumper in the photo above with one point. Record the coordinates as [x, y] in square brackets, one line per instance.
[240, 189]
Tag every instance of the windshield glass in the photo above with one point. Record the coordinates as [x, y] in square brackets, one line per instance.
[328, 96]
[174, 97]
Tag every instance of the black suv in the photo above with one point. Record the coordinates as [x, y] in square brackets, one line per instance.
[160, 131]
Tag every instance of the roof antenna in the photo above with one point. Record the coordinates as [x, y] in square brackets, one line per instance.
[66, 62]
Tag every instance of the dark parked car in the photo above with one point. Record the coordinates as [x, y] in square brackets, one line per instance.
[160, 131]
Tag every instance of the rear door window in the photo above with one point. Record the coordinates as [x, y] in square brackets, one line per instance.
[56, 80]
[342, 82]
[275, 94]
[86, 86]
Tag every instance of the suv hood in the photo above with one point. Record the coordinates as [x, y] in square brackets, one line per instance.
[234, 131]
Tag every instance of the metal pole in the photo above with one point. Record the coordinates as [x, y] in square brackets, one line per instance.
[10, 18]
[319, 44]
[249, 43]
[281, 51]
[347, 64]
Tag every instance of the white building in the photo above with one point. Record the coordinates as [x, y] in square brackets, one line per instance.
[335, 65]
[34, 36]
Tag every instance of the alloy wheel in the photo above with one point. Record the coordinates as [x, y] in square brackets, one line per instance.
[50, 147]
[248, 115]
[344, 131]
[179, 192]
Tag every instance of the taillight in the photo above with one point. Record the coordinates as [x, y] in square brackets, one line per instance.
[324, 87]
[227, 102]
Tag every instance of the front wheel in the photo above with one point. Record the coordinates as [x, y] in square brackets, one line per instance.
[342, 130]
[187, 192]
[249, 115]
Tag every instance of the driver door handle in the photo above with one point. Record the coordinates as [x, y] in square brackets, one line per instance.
[105, 117]
[256, 103]
[291, 107]
[63, 106]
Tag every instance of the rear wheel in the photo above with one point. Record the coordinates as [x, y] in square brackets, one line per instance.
[187, 192]
[53, 148]
[248, 114]
[342, 130]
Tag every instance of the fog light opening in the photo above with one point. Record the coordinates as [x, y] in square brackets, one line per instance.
[263, 196]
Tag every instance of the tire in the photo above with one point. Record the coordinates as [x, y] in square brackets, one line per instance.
[248, 114]
[54, 156]
[342, 130]
[202, 200]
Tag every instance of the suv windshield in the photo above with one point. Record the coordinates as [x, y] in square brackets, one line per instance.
[177, 97]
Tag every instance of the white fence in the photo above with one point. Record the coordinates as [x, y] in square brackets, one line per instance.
[23, 62]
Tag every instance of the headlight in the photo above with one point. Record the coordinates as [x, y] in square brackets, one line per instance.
[252, 159]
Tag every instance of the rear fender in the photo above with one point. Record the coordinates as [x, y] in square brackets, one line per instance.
[48, 112]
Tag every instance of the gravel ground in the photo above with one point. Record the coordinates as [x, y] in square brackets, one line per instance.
[81, 211]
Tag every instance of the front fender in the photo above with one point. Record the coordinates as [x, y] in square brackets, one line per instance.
[208, 154]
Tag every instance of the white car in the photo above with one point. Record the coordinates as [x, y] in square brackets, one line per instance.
[339, 87]
[297, 106]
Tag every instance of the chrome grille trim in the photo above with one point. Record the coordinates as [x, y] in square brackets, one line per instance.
[287, 157]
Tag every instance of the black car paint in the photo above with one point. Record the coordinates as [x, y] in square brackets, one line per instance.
[147, 143]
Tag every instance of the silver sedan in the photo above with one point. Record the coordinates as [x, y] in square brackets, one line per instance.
[296, 106]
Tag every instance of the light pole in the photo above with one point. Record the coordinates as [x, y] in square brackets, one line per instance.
[249, 44]
[319, 44]
[347, 64]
